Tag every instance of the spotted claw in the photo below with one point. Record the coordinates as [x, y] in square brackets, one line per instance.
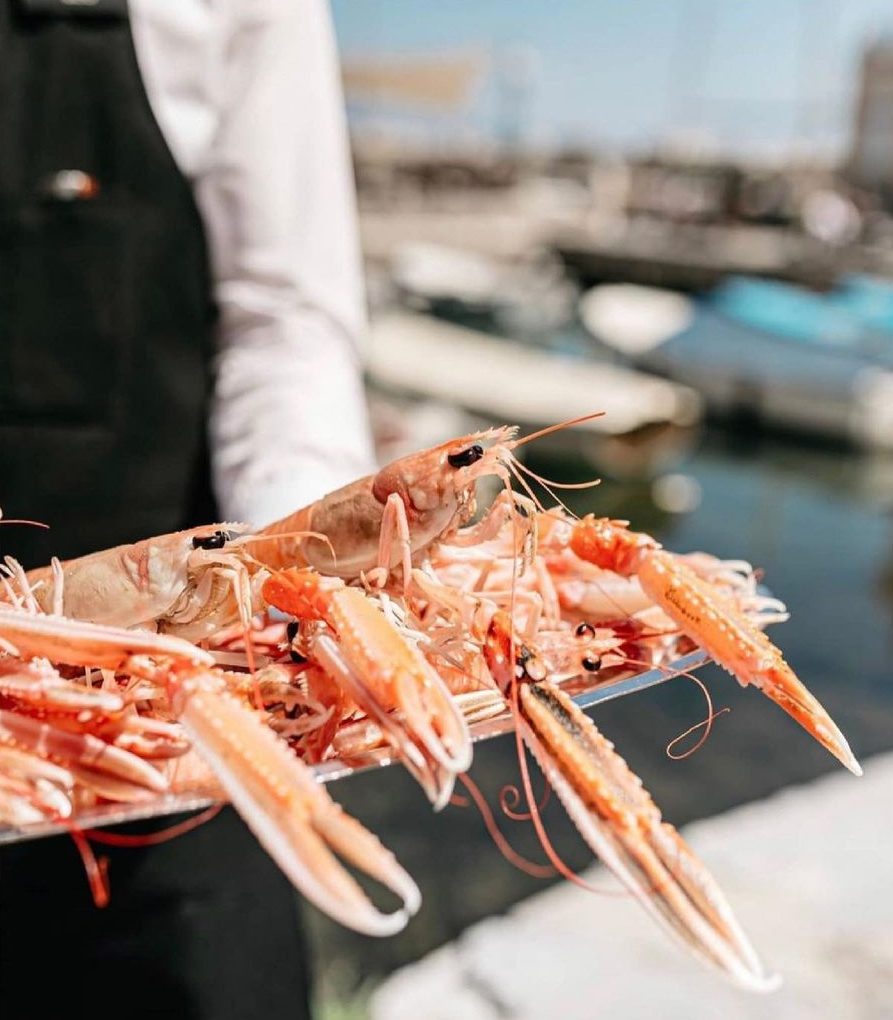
[619, 820]
[730, 638]
[291, 814]
[712, 620]
[383, 672]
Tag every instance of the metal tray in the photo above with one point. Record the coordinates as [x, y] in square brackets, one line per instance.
[585, 695]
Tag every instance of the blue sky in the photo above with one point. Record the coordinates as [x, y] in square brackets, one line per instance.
[758, 77]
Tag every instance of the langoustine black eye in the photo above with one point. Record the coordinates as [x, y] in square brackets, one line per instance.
[585, 630]
[466, 457]
[292, 629]
[216, 541]
[591, 665]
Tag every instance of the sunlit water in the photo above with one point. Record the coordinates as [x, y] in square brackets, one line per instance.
[817, 522]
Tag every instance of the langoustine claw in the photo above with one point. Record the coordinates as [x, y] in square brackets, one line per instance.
[279, 798]
[383, 673]
[616, 816]
[712, 621]
[291, 813]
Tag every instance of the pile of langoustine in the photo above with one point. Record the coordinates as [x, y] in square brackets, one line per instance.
[221, 658]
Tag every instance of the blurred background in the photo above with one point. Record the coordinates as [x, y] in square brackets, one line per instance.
[679, 212]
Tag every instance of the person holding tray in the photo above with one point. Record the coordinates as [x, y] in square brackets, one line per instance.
[180, 302]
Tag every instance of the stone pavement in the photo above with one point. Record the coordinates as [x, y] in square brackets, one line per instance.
[809, 872]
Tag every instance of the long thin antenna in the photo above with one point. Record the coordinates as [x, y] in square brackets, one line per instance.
[549, 429]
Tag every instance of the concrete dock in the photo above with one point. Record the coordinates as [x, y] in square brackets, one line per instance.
[809, 872]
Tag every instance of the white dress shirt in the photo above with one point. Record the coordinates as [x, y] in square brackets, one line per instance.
[247, 94]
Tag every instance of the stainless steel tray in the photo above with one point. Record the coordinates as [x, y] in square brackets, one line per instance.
[586, 695]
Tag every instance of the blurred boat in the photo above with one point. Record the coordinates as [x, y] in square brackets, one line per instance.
[688, 256]
[870, 298]
[763, 351]
[855, 318]
[645, 419]
[531, 294]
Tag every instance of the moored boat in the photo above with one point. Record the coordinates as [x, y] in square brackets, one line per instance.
[783, 356]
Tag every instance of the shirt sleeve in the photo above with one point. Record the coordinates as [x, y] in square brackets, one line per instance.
[288, 419]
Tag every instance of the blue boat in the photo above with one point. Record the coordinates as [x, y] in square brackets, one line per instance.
[784, 356]
[854, 318]
[869, 298]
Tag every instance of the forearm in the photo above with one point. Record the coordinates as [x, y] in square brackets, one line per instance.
[288, 422]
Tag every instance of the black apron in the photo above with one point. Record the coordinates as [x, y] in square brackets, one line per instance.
[105, 311]
[105, 346]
